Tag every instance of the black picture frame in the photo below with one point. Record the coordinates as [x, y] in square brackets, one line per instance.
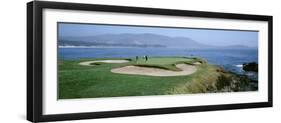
[35, 69]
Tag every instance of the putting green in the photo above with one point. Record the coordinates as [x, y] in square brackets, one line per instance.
[163, 60]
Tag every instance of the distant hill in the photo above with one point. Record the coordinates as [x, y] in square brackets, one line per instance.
[136, 40]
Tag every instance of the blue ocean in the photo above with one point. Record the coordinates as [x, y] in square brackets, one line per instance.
[229, 59]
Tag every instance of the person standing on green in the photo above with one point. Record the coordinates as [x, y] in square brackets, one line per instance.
[146, 58]
[137, 57]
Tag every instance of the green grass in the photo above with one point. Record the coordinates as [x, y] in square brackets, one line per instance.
[163, 60]
[77, 81]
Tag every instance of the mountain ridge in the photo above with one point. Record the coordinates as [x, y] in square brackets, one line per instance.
[137, 40]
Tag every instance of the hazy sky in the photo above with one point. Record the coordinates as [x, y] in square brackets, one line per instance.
[204, 36]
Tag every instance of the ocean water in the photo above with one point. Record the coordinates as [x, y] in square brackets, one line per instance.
[229, 59]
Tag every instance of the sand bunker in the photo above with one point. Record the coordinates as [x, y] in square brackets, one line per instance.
[89, 63]
[197, 63]
[136, 70]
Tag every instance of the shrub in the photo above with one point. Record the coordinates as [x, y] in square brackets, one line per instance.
[235, 83]
[242, 83]
[223, 81]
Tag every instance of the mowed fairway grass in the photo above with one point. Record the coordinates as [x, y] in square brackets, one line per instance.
[78, 81]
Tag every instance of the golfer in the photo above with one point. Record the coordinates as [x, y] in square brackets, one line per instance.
[146, 58]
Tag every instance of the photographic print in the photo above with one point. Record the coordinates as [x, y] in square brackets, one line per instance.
[105, 60]
[88, 61]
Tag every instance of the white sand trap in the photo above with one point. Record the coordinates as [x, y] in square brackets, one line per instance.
[197, 63]
[136, 70]
[88, 63]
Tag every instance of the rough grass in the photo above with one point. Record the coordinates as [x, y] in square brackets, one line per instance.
[201, 82]
[77, 81]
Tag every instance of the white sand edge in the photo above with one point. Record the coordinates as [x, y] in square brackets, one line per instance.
[88, 63]
[196, 63]
[136, 70]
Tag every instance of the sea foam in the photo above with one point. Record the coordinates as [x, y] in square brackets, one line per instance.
[239, 65]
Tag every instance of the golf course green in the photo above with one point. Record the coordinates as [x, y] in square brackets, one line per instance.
[111, 77]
